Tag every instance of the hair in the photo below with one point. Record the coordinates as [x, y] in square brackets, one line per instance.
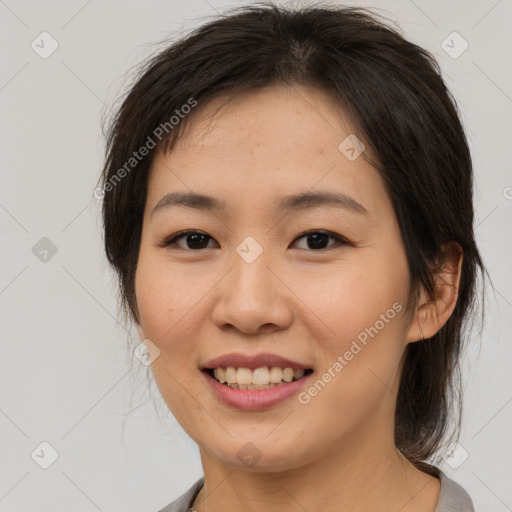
[392, 90]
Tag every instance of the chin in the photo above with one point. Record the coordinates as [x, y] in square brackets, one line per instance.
[263, 455]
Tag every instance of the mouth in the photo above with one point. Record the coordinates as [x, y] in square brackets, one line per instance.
[261, 378]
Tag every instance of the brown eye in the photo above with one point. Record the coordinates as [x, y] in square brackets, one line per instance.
[197, 240]
[194, 240]
[319, 240]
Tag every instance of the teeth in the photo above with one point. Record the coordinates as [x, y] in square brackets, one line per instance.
[230, 375]
[220, 374]
[276, 374]
[244, 377]
[298, 373]
[288, 374]
[260, 378]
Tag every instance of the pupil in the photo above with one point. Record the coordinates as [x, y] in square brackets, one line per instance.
[197, 238]
[199, 241]
[316, 241]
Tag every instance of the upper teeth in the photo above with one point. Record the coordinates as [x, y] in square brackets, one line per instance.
[259, 376]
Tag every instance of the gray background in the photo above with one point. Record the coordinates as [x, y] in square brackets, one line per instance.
[65, 369]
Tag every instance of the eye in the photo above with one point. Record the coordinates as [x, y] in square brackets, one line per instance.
[197, 240]
[317, 240]
[194, 240]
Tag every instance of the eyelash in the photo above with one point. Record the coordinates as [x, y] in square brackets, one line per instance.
[340, 241]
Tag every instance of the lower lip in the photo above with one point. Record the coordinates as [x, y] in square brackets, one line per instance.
[255, 399]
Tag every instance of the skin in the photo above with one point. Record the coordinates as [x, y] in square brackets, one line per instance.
[336, 452]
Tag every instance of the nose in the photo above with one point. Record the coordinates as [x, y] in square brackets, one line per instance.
[252, 298]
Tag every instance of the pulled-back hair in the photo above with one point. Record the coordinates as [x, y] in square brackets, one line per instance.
[393, 92]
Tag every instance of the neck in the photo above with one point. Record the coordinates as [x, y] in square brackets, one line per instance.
[372, 477]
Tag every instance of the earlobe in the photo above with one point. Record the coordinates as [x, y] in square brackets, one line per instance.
[431, 315]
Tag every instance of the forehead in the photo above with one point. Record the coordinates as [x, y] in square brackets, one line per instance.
[264, 143]
[290, 116]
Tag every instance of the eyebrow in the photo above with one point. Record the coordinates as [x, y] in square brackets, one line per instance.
[296, 202]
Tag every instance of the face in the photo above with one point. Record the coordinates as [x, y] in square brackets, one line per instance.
[264, 281]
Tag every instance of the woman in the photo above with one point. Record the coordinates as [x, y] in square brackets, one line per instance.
[288, 206]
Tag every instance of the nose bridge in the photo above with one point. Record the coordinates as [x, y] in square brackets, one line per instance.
[251, 278]
[251, 295]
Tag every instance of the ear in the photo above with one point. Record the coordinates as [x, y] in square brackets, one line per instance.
[431, 315]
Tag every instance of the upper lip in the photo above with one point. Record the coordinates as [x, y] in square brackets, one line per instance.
[253, 362]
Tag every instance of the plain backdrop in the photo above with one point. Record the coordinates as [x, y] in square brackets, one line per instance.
[67, 377]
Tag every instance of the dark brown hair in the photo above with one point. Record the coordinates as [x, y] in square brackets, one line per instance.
[393, 92]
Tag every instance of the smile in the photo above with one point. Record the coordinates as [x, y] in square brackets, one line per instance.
[254, 396]
[265, 377]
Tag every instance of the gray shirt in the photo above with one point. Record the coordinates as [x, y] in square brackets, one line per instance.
[452, 498]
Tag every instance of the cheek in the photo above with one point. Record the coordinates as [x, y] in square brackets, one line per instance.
[164, 297]
[364, 309]
[153, 292]
[355, 296]
[166, 303]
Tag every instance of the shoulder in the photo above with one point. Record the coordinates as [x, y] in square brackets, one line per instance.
[184, 502]
[453, 498]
